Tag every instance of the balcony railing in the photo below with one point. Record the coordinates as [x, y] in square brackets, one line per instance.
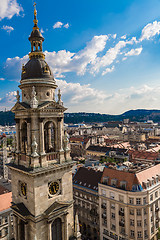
[51, 156]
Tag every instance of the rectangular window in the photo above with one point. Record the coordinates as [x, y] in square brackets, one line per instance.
[145, 222]
[139, 223]
[113, 227]
[131, 211]
[145, 234]
[113, 215]
[139, 234]
[151, 197]
[131, 222]
[145, 211]
[132, 233]
[138, 212]
[144, 200]
[138, 201]
[131, 200]
[156, 194]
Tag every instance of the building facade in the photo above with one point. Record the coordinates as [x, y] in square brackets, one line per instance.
[129, 204]
[42, 195]
[86, 201]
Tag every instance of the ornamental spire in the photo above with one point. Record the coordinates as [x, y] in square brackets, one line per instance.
[36, 39]
[35, 16]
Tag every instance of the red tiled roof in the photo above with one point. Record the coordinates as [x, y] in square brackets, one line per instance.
[143, 155]
[148, 173]
[120, 176]
[5, 201]
[130, 178]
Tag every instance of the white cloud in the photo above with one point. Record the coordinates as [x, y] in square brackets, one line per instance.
[124, 37]
[42, 31]
[110, 55]
[58, 25]
[150, 30]
[66, 25]
[108, 70]
[114, 36]
[8, 28]
[8, 100]
[9, 8]
[134, 52]
[2, 79]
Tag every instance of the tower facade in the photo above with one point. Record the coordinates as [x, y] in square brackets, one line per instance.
[42, 198]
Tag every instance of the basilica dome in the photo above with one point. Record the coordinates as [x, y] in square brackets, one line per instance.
[36, 68]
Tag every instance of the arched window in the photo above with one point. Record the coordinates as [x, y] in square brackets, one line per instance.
[24, 137]
[49, 137]
[57, 229]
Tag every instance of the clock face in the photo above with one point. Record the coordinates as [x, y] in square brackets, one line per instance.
[24, 189]
[53, 188]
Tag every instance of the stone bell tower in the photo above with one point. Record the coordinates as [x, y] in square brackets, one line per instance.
[42, 199]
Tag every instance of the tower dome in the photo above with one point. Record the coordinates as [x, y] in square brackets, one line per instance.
[36, 71]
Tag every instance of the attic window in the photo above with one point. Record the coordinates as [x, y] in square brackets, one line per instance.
[123, 185]
[48, 93]
[84, 184]
[80, 182]
[114, 182]
[105, 180]
[89, 185]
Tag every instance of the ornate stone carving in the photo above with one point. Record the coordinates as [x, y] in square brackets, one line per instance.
[18, 96]
[34, 101]
[66, 141]
[60, 102]
[34, 148]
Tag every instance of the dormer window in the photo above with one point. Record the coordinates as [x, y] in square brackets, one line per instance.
[123, 185]
[114, 182]
[105, 180]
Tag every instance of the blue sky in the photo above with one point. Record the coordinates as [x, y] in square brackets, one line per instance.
[105, 54]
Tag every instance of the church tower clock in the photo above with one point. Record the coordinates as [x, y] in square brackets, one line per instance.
[42, 198]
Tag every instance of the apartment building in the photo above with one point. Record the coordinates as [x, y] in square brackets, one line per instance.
[86, 201]
[129, 202]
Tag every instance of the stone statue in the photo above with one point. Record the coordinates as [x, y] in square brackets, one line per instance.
[66, 141]
[34, 148]
[34, 101]
[18, 96]
[60, 102]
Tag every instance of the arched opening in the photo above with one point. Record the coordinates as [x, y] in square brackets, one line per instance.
[49, 137]
[24, 138]
[57, 229]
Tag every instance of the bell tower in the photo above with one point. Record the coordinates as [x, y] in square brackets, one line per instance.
[41, 168]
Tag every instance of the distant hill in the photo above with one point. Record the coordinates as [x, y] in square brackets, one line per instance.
[134, 115]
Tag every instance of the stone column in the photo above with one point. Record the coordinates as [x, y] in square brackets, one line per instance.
[19, 230]
[44, 162]
[26, 231]
[49, 231]
[60, 140]
[41, 127]
[60, 136]
[17, 135]
[29, 136]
